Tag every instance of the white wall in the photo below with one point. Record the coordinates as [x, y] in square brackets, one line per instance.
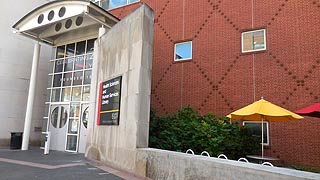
[16, 54]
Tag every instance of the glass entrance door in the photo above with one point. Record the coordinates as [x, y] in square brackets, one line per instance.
[73, 128]
[57, 125]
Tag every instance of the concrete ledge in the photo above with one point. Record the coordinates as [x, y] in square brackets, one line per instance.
[162, 164]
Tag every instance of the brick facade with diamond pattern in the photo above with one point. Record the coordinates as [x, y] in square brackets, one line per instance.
[221, 79]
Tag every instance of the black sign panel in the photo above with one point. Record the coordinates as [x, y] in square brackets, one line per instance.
[109, 102]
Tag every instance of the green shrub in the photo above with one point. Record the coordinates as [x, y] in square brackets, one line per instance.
[189, 130]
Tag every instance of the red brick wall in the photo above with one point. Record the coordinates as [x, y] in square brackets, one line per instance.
[221, 79]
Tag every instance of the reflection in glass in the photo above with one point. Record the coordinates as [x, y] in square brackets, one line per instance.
[57, 80]
[89, 61]
[85, 117]
[60, 52]
[253, 40]
[183, 50]
[66, 94]
[255, 130]
[63, 117]
[71, 143]
[79, 62]
[68, 64]
[55, 95]
[86, 93]
[81, 48]
[70, 50]
[116, 3]
[58, 66]
[54, 117]
[77, 78]
[90, 45]
[87, 77]
[75, 110]
[76, 94]
[67, 79]
[73, 126]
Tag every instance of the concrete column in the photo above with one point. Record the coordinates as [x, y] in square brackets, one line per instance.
[31, 95]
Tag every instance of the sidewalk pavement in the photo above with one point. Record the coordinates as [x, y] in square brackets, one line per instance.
[34, 165]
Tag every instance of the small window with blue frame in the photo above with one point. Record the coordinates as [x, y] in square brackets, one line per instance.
[183, 51]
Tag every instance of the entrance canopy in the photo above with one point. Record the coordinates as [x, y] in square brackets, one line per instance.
[58, 21]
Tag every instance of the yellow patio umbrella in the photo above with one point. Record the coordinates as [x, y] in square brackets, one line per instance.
[263, 110]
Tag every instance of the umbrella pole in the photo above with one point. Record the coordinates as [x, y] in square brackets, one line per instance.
[262, 137]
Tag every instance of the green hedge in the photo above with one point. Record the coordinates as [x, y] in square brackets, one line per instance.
[189, 130]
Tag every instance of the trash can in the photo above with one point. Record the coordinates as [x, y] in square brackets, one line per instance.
[16, 140]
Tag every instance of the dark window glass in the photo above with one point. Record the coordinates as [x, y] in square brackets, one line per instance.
[68, 64]
[85, 118]
[54, 117]
[70, 49]
[68, 24]
[90, 45]
[63, 117]
[89, 60]
[87, 77]
[60, 52]
[255, 130]
[79, 62]
[67, 79]
[81, 48]
[57, 80]
[77, 78]
[58, 66]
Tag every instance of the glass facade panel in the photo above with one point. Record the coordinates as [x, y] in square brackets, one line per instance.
[60, 52]
[55, 95]
[68, 64]
[75, 110]
[67, 79]
[89, 60]
[66, 94]
[81, 48]
[90, 45]
[73, 126]
[86, 93]
[63, 117]
[87, 77]
[70, 50]
[77, 78]
[76, 94]
[57, 80]
[71, 143]
[58, 66]
[79, 63]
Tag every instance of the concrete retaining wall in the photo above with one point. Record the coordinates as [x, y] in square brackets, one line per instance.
[161, 164]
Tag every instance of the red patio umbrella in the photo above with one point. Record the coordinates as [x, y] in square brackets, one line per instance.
[312, 110]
